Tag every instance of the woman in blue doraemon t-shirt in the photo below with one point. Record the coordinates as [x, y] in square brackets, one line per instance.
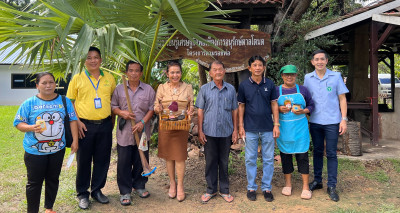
[41, 117]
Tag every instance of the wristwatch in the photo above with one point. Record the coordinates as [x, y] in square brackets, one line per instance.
[345, 119]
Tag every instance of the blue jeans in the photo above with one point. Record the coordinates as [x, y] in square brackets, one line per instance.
[330, 133]
[267, 150]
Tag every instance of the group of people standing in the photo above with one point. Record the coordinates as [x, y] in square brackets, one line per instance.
[93, 100]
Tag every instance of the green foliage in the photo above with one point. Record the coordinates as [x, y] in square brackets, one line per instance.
[154, 140]
[190, 74]
[138, 30]
[290, 43]
[231, 165]
[383, 68]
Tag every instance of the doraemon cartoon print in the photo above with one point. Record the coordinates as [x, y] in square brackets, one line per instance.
[50, 140]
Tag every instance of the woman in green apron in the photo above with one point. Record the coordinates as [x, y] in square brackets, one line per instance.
[294, 103]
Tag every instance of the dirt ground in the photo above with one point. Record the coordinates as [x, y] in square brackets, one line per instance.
[357, 193]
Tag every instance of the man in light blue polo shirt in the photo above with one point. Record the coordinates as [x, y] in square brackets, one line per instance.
[329, 119]
[217, 114]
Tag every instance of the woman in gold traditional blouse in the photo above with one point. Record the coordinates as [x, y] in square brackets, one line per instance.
[172, 144]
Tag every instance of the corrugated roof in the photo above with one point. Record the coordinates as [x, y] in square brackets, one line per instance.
[4, 53]
[356, 12]
[249, 1]
[353, 17]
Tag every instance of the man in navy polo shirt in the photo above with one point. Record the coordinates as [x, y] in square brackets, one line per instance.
[257, 101]
[328, 120]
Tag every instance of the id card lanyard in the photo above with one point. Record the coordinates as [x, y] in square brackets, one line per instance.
[97, 100]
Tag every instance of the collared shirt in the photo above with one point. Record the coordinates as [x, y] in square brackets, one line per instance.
[257, 99]
[217, 105]
[142, 101]
[325, 93]
[183, 96]
[81, 91]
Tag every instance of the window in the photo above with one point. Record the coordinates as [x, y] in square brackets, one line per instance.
[23, 81]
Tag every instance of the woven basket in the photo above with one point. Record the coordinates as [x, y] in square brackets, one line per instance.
[175, 125]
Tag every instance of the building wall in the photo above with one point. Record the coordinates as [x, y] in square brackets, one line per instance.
[10, 96]
[390, 121]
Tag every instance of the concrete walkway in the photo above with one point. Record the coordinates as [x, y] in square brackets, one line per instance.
[385, 149]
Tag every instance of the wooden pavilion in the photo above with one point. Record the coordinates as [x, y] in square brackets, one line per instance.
[368, 36]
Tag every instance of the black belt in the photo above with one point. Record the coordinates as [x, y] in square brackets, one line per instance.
[96, 121]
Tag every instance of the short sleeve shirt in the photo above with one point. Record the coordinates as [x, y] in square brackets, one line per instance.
[142, 101]
[303, 90]
[325, 93]
[218, 105]
[82, 91]
[52, 112]
[257, 99]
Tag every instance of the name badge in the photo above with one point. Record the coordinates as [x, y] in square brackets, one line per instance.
[97, 103]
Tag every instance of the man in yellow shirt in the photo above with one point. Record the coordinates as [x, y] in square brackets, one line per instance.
[91, 92]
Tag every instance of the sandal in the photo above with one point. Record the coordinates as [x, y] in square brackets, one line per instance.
[306, 194]
[207, 197]
[287, 190]
[142, 193]
[227, 197]
[125, 199]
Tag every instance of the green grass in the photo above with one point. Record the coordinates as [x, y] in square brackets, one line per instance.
[13, 171]
[395, 164]
[12, 168]
[388, 208]
[357, 167]
[383, 208]
[350, 165]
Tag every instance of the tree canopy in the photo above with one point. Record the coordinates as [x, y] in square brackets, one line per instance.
[56, 35]
[294, 20]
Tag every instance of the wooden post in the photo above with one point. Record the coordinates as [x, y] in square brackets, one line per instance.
[373, 60]
[375, 44]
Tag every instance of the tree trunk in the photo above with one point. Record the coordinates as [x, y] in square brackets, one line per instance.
[299, 8]
[202, 75]
[341, 7]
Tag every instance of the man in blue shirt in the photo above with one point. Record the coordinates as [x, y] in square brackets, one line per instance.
[257, 101]
[328, 120]
[217, 114]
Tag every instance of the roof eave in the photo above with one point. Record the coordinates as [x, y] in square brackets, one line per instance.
[352, 20]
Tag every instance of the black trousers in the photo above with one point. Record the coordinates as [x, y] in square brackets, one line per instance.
[39, 168]
[129, 169]
[96, 147]
[216, 152]
[302, 163]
